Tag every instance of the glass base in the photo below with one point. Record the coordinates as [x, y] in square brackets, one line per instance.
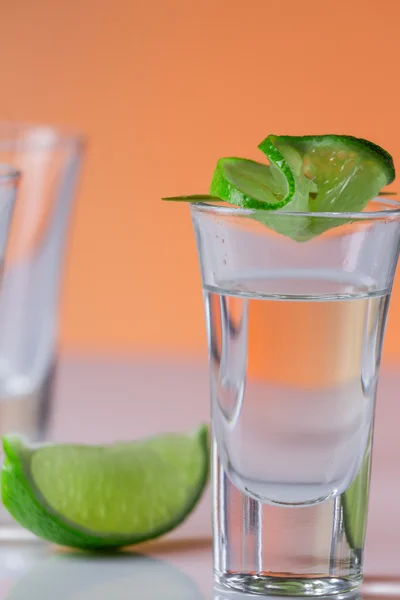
[281, 585]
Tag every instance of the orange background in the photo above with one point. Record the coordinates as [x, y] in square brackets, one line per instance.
[162, 88]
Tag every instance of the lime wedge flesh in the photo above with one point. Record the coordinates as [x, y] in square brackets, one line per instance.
[105, 496]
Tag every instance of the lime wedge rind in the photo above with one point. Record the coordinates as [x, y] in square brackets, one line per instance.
[24, 501]
[16, 486]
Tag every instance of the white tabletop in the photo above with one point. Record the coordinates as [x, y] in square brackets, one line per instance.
[100, 400]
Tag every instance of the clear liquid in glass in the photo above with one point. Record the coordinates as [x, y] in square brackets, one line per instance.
[293, 383]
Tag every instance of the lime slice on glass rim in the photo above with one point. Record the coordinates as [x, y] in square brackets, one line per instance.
[94, 497]
[312, 174]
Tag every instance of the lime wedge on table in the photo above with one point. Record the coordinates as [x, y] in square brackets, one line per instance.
[104, 496]
[321, 173]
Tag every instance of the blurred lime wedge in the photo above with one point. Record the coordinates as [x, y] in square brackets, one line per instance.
[355, 505]
[104, 496]
[321, 173]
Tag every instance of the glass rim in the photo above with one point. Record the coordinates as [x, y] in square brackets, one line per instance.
[9, 174]
[21, 136]
[390, 208]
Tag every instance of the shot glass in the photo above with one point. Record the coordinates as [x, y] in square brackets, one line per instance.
[48, 162]
[295, 332]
